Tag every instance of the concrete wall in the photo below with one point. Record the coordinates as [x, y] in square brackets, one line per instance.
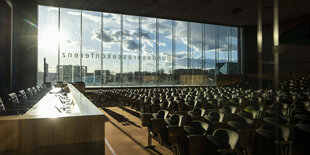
[5, 37]
[293, 58]
[24, 44]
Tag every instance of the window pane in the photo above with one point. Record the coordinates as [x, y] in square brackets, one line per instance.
[130, 50]
[180, 52]
[148, 60]
[196, 54]
[70, 42]
[209, 60]
[223, 50]
[91, 47]
[233, 57]
[165, 52]
[111, 49]
[48, 42]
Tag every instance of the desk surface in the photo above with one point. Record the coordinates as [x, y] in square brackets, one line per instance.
[46, 130]
[50, 106]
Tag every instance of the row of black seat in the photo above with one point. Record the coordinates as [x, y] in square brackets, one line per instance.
[17, 103]
[206, 119]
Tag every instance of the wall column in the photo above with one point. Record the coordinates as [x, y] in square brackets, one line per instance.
[24, 44]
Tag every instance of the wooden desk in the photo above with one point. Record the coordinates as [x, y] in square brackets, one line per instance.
[46, 130]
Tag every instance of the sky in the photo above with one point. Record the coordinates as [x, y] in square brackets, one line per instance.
[108, 32]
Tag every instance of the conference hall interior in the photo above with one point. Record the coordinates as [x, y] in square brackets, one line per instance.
[154, 77]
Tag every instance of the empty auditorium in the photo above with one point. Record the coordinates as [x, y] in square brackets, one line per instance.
[154, 77]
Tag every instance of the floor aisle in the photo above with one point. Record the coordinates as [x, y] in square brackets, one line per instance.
[126, 135]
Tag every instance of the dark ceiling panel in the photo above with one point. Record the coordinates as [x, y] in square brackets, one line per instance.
[226, 12]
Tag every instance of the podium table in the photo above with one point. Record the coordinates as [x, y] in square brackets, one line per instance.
[50, 127]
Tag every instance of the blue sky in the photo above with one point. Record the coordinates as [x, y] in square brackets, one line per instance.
[70, 42]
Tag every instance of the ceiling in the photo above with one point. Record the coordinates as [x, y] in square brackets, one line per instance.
[226, 12]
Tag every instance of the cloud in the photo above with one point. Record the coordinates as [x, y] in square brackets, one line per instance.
[130, 45]
[51, 9]
[196, 37]
[181, 54]
[75, 13]
[92, 17]
[112, 36]
[162, 44]
[144, 35]
[150, 27]
[108, 36]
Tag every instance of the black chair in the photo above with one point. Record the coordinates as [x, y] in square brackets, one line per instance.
[223, 141]
[13, 99]
[273, 139]
[172, 134]
[246, 133]
[15, 105]
[34, 91]
[29, 92]
[2, 108]
[155, 122]
[195, 142]
[301, 137]
[197, 113]
[24, 99]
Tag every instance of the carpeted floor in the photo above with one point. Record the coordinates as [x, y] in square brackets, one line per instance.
[125, 135]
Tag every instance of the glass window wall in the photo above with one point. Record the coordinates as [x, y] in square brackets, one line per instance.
[106, 49]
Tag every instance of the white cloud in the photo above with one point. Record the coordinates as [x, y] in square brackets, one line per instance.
[162, 44]
[91, 17]
[75, 13]
[52, 9]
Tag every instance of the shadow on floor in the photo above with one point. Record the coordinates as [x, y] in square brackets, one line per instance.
[148, 150]
[107, 103]
[120, 118]
[134, 113]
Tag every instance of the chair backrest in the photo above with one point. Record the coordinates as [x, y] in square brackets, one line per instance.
[199, 111]
[34, 90]
[178, 118]
[275, 129]
[226, 109]
[23, 96]
[233, 109]
[201, 128]
[2, 108]
[38, 88]
[229, 135]
[13, 99]
[162, 113]
[214, 116]
[29, 92]
[198, 104]
[285, 132]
